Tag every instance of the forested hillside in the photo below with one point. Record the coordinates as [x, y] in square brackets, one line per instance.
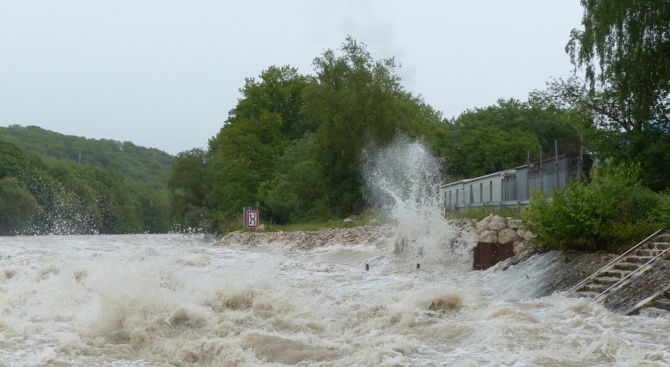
[45, 187]
[145, 166]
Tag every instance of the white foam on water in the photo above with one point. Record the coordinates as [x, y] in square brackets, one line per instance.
[176, 300]
[404, 179]
[148, 300]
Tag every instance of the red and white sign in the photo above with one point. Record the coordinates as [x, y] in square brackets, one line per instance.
[252, 219]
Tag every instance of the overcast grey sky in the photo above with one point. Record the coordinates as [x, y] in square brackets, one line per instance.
[164, 73]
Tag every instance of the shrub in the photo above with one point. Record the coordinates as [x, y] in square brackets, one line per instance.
[610, 212]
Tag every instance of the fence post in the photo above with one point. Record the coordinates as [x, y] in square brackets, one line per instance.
[558, 181]
[541, 172]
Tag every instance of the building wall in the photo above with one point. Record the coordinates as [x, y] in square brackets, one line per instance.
[511, 185]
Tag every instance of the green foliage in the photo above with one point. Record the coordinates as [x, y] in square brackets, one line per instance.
[293, 143]
[357, 100]
[278, 91]
[12, 159]
[649, 147]
[623, 50]
[495, 138]
[146, 166]
[243, 155]
[17, 206]
[41, 194]
[485, 149]
[188, 190]
[610, 212]
[296, 192]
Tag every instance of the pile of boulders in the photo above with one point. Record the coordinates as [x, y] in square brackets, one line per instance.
[365, 235]
[492, 229]
[497, 229]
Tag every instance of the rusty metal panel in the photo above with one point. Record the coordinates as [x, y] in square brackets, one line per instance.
[503, 252]
[489, 254]
[483, 255]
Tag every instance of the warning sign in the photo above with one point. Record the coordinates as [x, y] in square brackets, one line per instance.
[252, 219]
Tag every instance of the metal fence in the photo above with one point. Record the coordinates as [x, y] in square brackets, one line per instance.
[512, 188]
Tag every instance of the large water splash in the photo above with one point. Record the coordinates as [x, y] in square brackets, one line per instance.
[403, 178]
[63, 213]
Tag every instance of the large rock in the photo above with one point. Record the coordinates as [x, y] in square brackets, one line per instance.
[507, 236]
[528, 236]
[488, 236]
[497, 223]
[469, 232]
[521, 232]
[483, 224]
[519, 245]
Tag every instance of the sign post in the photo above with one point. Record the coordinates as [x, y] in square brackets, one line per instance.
[251, 218]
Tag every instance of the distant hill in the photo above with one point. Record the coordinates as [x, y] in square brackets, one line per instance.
[146, 166]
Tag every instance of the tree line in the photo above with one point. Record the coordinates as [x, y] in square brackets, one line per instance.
[294, 142]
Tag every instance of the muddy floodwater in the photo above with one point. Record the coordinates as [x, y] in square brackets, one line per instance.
[182, 300]
[176, 300]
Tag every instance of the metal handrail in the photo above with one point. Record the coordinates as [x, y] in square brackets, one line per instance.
[587, 279]
[632, 272]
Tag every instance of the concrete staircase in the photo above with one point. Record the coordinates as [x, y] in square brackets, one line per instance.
[657, 305]
[621, 270]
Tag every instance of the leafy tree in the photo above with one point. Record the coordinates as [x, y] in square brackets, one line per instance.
[498, 137]
[243, 156]
[154, 208]
[189, 189]
[610, 212]
[278, 91]
[486, 149]
[356, 100]
[623, 50]
[17, 206]
[12, 160]
[244, 153]
[297, 190]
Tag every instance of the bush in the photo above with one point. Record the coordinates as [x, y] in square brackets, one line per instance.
[610, 212]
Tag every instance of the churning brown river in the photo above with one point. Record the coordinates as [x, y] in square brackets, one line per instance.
[178, 300]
